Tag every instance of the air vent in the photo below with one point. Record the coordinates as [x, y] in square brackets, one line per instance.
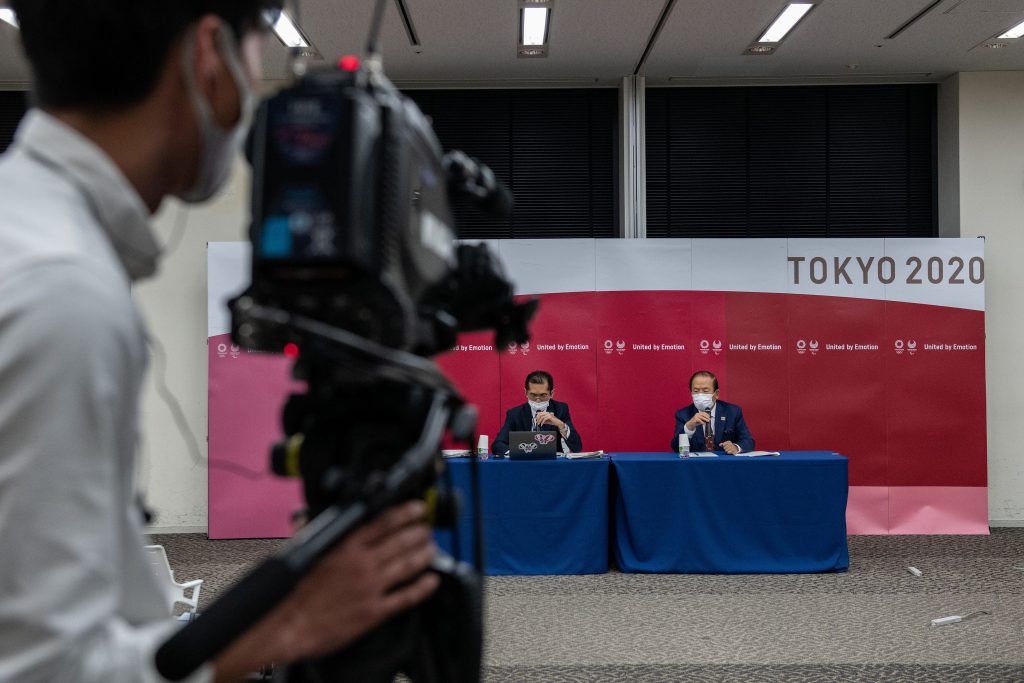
[410, 30]
[914, 19]
[986, 7]
[662, 18]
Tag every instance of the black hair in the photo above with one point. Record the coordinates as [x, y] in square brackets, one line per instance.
[704, 373]
[538, 376]
[108, 54]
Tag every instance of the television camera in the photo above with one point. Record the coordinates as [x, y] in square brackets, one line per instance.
[357, 275]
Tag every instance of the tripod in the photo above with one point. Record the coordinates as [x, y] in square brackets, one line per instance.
[353, 469]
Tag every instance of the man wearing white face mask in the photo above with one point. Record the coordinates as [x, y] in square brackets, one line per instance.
[710, 424]
[134, 101]
[218, 144]
[540, 413]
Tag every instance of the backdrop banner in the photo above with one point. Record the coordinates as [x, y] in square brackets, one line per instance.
[872, 348]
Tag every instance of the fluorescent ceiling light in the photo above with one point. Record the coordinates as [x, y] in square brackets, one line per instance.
[786, 21]
[8, 16]
[1015, 32]
[535, 25]
[286, 30]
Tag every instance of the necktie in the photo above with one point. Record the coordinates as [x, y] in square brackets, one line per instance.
[709, 436]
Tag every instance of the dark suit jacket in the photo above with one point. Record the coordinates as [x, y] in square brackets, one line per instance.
[520, 419]
[729, 426]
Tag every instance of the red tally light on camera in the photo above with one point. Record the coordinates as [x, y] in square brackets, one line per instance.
[291, 350]
[349, 63]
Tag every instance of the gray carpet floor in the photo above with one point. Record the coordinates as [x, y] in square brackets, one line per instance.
[869, 624]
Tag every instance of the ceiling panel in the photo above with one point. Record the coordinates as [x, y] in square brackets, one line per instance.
[839, 38]
[469, 40]
[473, 42]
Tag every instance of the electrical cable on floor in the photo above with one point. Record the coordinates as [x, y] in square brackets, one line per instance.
[165, 393]
[177, 232]
[163, 390]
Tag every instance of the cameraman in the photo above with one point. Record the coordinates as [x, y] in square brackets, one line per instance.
[136, 101]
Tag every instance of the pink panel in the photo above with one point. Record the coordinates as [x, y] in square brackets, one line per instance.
[642, 375]
[708, 337]
[935, 395]
[938, 510]
[246, 393]
[473, 368]
[759, 379]
[837, 385]
[867, 510]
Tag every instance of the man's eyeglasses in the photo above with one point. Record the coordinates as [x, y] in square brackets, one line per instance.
[538, 397]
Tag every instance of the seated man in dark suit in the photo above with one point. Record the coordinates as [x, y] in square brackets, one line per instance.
[710, 424]
[539, 413]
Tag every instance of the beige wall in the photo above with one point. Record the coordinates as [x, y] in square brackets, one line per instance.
[991, 179]
[174, 304]
[949, 156]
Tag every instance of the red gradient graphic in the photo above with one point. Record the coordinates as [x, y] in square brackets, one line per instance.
[473, 369]
[642, 377]
[935, 399]
[897, 388]
[836, 398]
[709, 339]
[759, 379]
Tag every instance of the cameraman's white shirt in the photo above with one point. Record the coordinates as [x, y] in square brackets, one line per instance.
[77, 600]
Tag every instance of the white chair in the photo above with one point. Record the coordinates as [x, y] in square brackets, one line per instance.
[172, 589]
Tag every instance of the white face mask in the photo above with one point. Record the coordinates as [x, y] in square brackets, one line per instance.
[539, 405]
[703, 401]
[217, 146]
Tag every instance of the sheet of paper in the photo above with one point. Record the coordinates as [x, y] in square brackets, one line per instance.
[582, 455]
[757, 454]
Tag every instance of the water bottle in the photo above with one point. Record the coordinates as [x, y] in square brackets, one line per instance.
[684, 446]
[483, 452]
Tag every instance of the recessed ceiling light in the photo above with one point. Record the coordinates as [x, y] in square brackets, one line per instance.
[535, 25]
[785, 22]
[760, 49]
[1015, 32]
[286, 30]
[996, 46]
[8, 16]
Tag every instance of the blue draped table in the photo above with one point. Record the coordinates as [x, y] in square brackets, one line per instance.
[784, 514]
[539, 517]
